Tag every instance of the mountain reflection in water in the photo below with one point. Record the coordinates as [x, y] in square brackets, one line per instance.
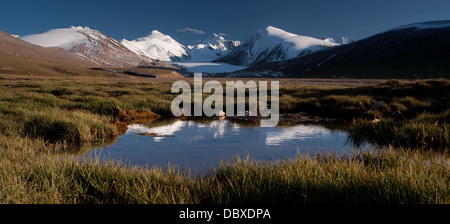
[202, 144]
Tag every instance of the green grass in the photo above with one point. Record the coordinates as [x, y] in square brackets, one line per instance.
[426, 131]
[30, 172]
[39, 118]
[401, 99]
[396, 177]
[74, 127]
[74, 112]
[410, 114]
[358, 178]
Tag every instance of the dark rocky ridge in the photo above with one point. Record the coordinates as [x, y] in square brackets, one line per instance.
[405, 52]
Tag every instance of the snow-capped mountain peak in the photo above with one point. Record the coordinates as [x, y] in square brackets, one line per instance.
[342, 40]
[69, 38]
[89, 43]
[158, 46]
[346, 40]
[80, 27]
[277, 32]
[215, 38]
[212, 47]
[216, 41]
[425, 25]
[274, 44]
[163, 47]
[329, 39]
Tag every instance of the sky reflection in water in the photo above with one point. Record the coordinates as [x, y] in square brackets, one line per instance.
[202, 145]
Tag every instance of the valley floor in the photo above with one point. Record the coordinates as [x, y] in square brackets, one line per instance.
[208, 67]
[284, 82]
[41, 116]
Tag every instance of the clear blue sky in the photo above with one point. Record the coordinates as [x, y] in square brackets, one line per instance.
[239, 19]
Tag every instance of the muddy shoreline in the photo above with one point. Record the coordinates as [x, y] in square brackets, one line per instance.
[300, 117]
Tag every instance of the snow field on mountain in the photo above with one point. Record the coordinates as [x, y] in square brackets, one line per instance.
[157, 46]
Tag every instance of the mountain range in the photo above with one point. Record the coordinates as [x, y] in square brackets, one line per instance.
[273, 44]
[93, 46]
[270, 44]
[410, 51]
[145, 51]
[158, 46]
[18, 57]
[11, 46]
[163, 47]
[212, 48]
[419, 49]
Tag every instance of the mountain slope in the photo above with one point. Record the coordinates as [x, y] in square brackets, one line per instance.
[91, 44]
[163, 47]
[218, 42]
[273, 44]
[19, 58]
[420, 49]
[11, 45]
[212, 48]
[158, 46]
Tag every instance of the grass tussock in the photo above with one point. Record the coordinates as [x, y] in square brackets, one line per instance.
[73, 127]
[426, 131]
[396, 113]
[77, 112]
[39, 117]
[382, 178]
[394, 99]
[33, 176]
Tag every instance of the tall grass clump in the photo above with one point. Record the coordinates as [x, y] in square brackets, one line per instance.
[95, 182]
[383, 177]
[30, 173]
[426, 131]
[364, 177]
[397, 99]
[73, 127]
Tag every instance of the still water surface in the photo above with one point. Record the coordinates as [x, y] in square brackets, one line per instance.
[202, 145]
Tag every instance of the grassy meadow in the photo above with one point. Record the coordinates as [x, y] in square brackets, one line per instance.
[39, 118]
